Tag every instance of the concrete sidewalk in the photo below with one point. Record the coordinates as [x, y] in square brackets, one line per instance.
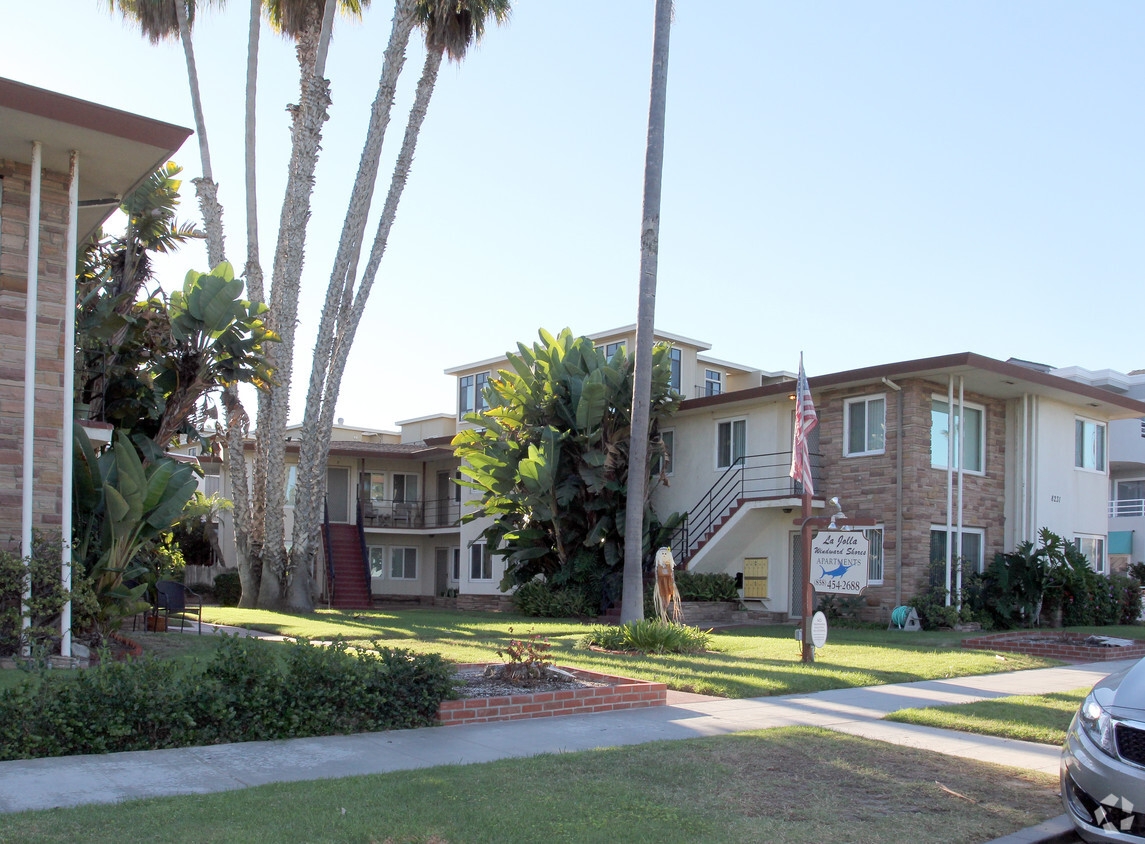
[77, 780]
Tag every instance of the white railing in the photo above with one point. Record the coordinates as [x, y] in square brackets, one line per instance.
[1127, 507]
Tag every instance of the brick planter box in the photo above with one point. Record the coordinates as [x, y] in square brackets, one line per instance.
[1068, 647]
[620, 693]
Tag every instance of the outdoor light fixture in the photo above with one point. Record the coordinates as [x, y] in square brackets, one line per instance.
[838, 514]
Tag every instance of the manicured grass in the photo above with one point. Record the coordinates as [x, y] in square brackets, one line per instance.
[746, 662]
[777, 785]
[1040, 718]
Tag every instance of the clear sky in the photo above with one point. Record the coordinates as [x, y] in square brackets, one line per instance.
[868, 182]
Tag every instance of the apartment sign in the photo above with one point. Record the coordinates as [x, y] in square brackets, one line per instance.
[839, 561]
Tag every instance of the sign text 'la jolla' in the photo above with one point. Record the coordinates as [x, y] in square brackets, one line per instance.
[839, 562]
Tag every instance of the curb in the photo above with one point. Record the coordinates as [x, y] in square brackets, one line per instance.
[1057, 830]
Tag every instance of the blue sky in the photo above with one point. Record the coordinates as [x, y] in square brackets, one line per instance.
[866, 182]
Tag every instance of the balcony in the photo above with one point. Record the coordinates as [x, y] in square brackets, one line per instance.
[392, 513]
[1127, 508]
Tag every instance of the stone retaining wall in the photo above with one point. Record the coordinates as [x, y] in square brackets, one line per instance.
[621, 693]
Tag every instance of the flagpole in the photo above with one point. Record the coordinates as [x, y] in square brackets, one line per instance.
[808, 590]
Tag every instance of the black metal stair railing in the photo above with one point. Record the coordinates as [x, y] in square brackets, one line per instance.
[751, 477]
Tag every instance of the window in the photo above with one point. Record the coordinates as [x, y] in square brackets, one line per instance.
[613, 348]
[479, 398]
[970, 549]
[456, 565]
[875, 560]
[375, 486]
[377, 561]
[674, 360]
[865, 426]
[1089, 445]
[662, 463]
[464, 396]
[974, 438]
[405, 487]
[403, 563]
[731, 442]
[713, 382]
[1094, 549]
[291, 483]
[480, 562]
[212, 482]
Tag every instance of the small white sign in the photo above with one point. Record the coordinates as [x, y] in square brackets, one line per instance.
[839, 561]
[818, 630]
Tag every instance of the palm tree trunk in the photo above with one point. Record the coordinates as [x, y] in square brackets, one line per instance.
[306, 136]
[632, 601]
[311, 470]
[315, 447]
[253, 271]
[205, 188]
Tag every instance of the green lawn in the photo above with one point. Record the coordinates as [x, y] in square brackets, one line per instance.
[1040, 718]
[785, 784]
[747, 662]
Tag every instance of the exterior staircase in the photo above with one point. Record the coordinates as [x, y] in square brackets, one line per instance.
[350, 589]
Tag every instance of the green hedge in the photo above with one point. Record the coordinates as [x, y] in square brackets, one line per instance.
[539, 598]
[228, 588]
[248, 691]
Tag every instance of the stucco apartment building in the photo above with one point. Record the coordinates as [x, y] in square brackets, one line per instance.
[1029, 449]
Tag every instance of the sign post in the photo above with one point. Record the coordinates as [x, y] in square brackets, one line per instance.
[806, 524]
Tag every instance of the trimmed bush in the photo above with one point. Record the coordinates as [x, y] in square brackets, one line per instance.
[539, 598]
[706, 587]
[228, 588]
[248, 691]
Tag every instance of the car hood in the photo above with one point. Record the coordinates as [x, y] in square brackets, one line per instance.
[1127, 690]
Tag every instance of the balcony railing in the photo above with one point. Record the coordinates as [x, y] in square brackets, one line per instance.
[1127, 507]
[388, 512]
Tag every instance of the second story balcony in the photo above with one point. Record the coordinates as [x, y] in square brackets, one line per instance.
[1127, 508]
[393, 513]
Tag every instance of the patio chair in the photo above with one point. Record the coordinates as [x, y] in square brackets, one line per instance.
[175, 600]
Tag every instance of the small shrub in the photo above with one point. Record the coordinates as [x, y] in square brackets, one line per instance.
[541, 599]
[527, 658]
[840, 607]
[1137, 572]
[228, 588]
[650, 635]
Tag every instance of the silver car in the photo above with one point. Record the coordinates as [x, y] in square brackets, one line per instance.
[1103, 760]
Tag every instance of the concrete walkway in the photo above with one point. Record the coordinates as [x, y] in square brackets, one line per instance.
[77, 780]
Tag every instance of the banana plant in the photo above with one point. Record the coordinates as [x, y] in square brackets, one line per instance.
[121, 504]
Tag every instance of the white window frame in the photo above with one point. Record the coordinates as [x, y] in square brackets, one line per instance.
[370, 476]
[405, 487]
[951, 431]
[466, 395]
[713, 386]
[966, 531]
[1104, 456]
[668, 437]
[865, 401]
[378, 560]
[485, 560]
[291, 483]
[455, 565]
[1102, 547]
[675, 369]
[610, 349]
[405, 552]
[731, 423]
[480, 382]
[880, 530]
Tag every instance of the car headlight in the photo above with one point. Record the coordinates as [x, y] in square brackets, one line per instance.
[1094, 719]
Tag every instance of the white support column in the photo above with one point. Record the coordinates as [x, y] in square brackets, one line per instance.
[70, 256]
[949, 480]
[29, 440]
[961, 470]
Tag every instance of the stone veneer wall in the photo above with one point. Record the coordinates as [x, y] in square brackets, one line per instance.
[867, 485]
[49, 346]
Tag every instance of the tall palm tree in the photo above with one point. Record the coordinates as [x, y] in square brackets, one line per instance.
[450, 27]
[632, 601]
[160, 20]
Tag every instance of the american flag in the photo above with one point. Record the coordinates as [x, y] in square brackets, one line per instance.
[805, 421]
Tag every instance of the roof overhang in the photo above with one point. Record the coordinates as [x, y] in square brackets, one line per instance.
[117, 149]
[984, 376]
